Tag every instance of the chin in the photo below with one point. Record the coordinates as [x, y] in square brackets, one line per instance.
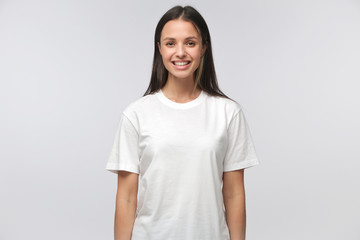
[181, 76]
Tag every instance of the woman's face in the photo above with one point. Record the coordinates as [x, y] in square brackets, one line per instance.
[180, 48]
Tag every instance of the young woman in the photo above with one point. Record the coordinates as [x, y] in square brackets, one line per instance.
[187, 142]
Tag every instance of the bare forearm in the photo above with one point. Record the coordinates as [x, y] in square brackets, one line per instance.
[235, 211]
[124, 219]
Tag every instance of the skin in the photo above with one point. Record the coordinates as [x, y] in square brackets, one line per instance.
[126, 203]
[181, 41]
[234, 202]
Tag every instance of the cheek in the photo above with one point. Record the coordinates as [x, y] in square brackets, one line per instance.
[195, 54]
[166, 55]
[166, 59]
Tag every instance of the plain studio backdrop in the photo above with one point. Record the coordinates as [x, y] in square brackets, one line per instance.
[69, 68]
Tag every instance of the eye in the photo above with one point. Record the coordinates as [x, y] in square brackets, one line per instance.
[191, 43]
[169, 44]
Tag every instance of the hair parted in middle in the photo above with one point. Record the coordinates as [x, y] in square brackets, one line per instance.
[205, 75]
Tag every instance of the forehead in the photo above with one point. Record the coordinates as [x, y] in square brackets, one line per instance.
[179, 28]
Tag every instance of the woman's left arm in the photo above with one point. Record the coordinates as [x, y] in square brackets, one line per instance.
[234, 201]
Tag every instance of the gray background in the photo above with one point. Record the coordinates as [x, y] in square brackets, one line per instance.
[69, 68]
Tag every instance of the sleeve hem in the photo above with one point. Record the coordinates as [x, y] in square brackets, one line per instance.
[238, 166]
[114, 168]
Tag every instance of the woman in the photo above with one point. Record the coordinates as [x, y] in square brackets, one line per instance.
[186, 140]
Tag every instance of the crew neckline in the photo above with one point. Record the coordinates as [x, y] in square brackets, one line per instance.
[185, 105]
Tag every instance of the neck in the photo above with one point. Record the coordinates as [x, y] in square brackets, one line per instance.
[180, 90]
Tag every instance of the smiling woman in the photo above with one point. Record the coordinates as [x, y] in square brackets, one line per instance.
[186, 141]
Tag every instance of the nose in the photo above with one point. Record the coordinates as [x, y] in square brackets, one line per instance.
[180, 51]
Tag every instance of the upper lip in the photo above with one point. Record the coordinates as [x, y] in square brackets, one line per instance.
[181, 61]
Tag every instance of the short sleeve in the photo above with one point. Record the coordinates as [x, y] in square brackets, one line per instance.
[240, 151]
[124, 153]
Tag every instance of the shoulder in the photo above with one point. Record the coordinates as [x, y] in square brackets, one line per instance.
[136, 107]
[230, 106]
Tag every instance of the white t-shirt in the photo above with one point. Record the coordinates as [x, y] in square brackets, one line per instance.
[180, 151]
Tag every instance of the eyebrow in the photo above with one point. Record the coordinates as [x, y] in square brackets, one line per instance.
[188, 38]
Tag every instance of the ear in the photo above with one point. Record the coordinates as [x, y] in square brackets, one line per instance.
[203, 50]
[159, 47]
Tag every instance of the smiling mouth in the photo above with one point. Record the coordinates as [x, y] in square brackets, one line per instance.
[181, 63]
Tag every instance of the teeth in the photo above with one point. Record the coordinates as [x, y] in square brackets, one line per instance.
[181, 63]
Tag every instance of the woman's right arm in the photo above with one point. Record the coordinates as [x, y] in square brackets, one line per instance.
[126, 203]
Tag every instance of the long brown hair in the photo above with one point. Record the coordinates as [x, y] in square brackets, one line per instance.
[205, 76]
